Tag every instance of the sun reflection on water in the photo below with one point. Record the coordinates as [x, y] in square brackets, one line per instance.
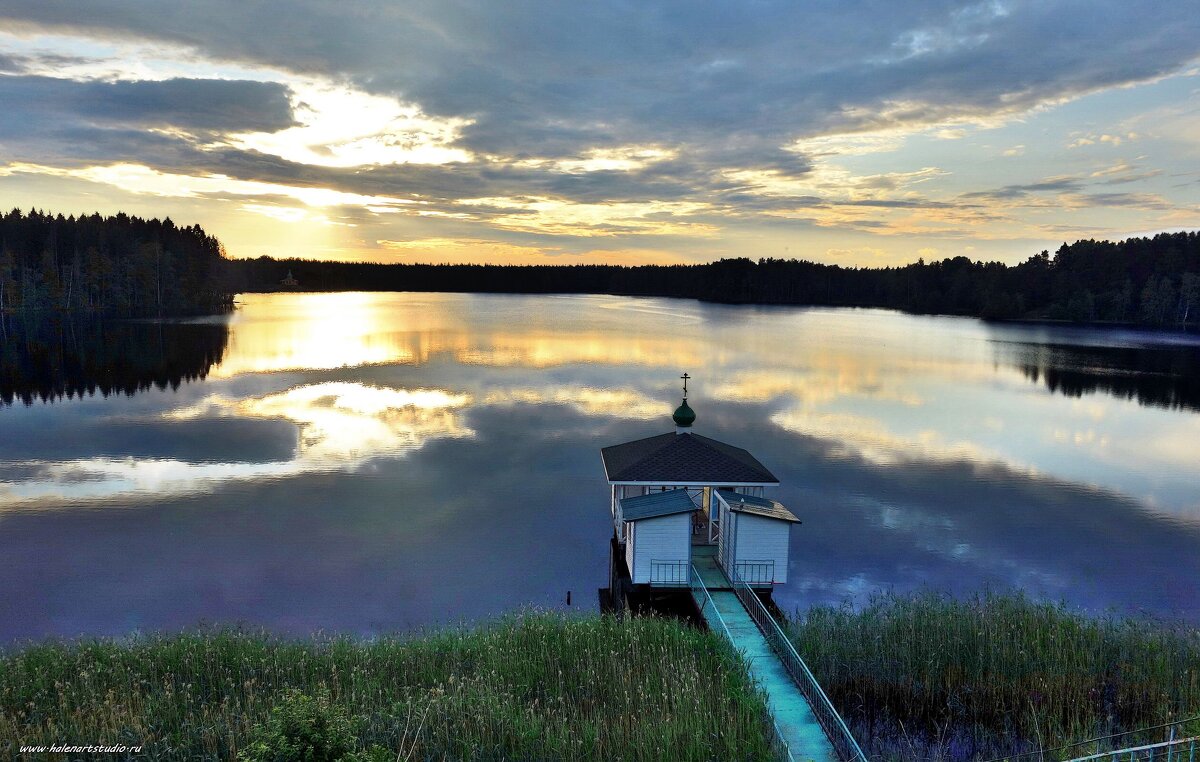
[297, 332]
[311, 332]
[365, 375]
[409, 445]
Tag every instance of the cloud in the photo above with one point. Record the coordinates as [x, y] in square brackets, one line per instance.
[1023, 190]
[1092, 139]
[570, 78]
[659, 119]
[1123, 172]
[164, 122]
[1072, 192]
[191, 105]
[950, 134]
[1132, 200]
[135, 178]
[341, 127]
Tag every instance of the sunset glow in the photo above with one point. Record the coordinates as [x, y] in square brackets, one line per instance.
[382, 135]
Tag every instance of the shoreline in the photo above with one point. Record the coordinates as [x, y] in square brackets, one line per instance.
[1191, 329]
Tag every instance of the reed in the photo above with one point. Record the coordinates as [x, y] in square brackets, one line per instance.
[925, 676]
[536, 686]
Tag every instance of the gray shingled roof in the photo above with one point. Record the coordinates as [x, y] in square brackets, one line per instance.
[683, 459]
[759, 506]
[656, 504]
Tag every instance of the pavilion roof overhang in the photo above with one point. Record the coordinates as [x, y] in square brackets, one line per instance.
[684, 459]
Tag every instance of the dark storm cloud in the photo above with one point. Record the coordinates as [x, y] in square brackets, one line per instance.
[66, 122]
[73, 144]
[194, 105]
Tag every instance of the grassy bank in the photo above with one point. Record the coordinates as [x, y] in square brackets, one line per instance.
[533, 687]
[917, 677]
[926, 677]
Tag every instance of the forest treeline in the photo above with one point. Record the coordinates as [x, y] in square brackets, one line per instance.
[118, 265]
[122, 265]
[1150, 281]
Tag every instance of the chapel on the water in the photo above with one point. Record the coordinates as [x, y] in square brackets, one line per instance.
[684, 504]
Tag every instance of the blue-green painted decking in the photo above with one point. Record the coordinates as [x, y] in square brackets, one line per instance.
[799, 727]
[704, 560]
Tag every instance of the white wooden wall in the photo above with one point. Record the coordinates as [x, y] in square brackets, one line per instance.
[666, 538]
[762, 539]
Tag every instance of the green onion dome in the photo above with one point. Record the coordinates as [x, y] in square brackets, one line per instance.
[684, 416]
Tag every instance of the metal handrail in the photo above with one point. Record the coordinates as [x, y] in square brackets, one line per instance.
[760, 572]
[834, 726]
[1146, 752]
[695, 582]
[1060, 752]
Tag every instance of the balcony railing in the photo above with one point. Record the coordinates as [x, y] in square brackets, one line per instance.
[669, 573]
[756, 572]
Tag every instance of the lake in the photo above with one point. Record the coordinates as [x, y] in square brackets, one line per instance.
[364, 463]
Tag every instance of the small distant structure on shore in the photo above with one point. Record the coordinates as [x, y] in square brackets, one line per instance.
[289, 281]
[680, 500]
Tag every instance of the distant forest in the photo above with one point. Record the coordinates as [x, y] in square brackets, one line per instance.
[117, 265]
[1150, 281]
[128, 266]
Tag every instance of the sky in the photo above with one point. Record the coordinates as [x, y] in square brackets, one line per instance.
[857, 133]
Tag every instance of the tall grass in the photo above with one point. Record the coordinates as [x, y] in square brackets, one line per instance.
[537, 686]
[928, 677]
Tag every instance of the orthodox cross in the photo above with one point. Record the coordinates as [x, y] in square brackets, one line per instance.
[685, 378]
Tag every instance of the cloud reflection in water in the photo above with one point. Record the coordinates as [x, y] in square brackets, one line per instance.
[401, 459]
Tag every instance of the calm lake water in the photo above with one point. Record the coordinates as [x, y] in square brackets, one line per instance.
[365, 463]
